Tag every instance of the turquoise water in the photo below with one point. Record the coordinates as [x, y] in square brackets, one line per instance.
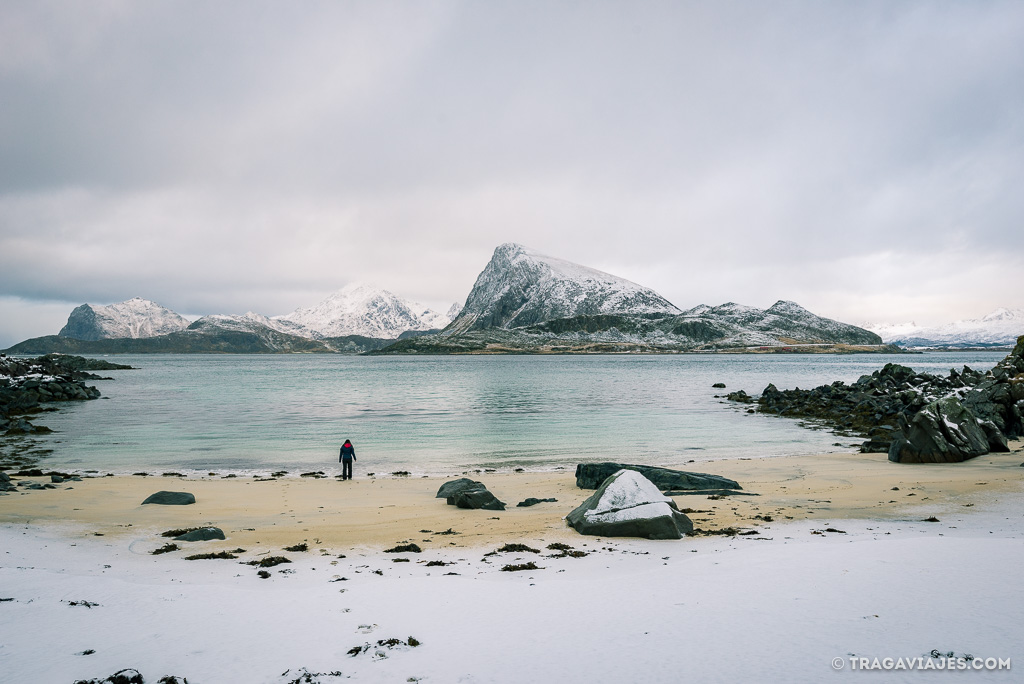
[439, 415]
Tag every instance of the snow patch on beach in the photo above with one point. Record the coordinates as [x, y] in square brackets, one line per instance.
[776, 607]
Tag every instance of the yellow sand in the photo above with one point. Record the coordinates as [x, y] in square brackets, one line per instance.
[376, 513]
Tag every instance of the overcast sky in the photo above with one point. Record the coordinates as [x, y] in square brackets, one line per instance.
[864, 159]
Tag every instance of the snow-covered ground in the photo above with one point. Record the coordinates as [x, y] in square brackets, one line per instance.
[782, 606]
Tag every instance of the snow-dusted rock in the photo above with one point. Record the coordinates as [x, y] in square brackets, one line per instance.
[135, 318]
[629, 505]
[944, 431]
[1001, 327]
[360, 309]
[521, 287]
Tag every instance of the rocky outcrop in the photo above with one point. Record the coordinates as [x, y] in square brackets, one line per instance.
[170, 499]
[942, 432]
[627, 504]
[593, 475]
[918, 417]
[27, 384]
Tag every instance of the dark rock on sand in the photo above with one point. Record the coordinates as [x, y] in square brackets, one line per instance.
[170, 499]
[592, 475]
[627, 504]
[455, 486]
[476, 498]
[201, 534]
[719, 385]
[942, 432]
[531, 501]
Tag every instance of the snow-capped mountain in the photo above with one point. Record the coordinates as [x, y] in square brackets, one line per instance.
[521, 287]
[251, 322]
[135, 318]
[524, 301]
[360, 309]
[1002, 327]
[783, 323]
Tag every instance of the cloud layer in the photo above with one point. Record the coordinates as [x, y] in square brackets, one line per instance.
[862, 158]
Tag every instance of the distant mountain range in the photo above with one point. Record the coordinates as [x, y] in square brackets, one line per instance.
[522, 302]
[1001, 328]
[357, 318]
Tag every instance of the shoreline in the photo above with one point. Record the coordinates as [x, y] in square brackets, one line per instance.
[377, 512]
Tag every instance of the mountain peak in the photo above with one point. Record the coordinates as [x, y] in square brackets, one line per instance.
[367, 310]
[133, 318]
[521, 287]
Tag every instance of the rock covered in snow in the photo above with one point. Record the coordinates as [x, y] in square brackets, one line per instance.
[521, 287]
[360, 309]
[627, 504]
[135, 318]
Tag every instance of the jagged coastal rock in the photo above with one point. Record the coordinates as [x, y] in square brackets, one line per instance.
[942, 432]
[525, 301]
[627, 504]
[134, 319]
[26, 384]
[918, 417]
[592, 475]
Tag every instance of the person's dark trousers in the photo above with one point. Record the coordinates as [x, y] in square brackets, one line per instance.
[346, 469]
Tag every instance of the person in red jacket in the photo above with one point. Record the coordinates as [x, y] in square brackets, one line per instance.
[347, 455]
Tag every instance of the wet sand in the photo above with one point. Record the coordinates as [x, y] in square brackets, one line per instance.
[374, 513]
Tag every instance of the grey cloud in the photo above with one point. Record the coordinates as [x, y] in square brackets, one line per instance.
[220, 157]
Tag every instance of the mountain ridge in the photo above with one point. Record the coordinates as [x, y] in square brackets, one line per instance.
[998, 328]
[527, 302]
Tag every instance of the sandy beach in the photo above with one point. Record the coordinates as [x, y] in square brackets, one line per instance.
[374, 512]
[839, 563]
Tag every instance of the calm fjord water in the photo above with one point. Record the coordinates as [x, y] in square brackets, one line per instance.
[441, 415]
